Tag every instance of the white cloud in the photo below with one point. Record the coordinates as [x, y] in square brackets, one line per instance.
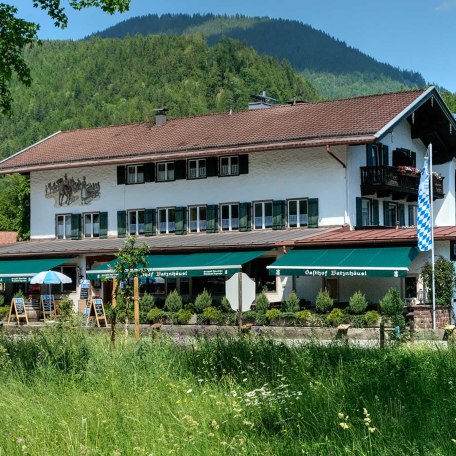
[447, 5]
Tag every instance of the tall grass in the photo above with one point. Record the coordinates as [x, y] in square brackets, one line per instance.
[66, 392]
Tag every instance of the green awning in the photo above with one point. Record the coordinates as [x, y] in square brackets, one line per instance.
[369, 262]
[186, 265]
[23, 270]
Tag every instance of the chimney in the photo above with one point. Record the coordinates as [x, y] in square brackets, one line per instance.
[160, 116]
[261, 101]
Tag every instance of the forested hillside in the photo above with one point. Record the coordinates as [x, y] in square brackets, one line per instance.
[336, 69]
[100, 82]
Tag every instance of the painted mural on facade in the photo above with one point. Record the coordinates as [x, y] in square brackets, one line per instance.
[70, 191]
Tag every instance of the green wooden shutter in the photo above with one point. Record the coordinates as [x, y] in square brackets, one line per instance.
[401, 215]
[76, 226]
[212, 218]
[385, 154]
[243, 164]
[181, 220]
[150, 227]
[149, 172]
[103, 225]
[245, 216]
[211, 166]
[121, 224]
[180, 169]
[359, 211]
[375, 213]
[278, 215]
[369, 156]
[121, 171]
[313, 213]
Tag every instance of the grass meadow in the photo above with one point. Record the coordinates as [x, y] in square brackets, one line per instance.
[66, 392]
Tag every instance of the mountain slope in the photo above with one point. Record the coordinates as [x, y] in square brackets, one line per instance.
[306, 48]
[101, 82]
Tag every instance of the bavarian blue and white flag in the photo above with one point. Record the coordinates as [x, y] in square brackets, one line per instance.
[423, 223]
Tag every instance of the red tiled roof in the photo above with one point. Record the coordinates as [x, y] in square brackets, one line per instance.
[376, 236]
[348, 121]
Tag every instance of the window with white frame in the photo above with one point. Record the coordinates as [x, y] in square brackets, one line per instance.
[92, 225]
[165, 171]
[229, 166]
[166, 220]
[197, 168]
[366, 212]
[412, 215]
[135, 174]
[262, 213]
[197, 219]
[297, 213]
[136, 221]
[229, 216]
[63, 226]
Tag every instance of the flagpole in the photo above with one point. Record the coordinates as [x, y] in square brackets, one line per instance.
[431, 203]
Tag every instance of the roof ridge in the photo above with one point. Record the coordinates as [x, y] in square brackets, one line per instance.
[99, 127]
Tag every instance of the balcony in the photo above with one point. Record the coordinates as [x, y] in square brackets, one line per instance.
[388, 181]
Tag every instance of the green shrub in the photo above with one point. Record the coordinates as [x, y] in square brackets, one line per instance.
[146, 303]
[336, 317]
[173, 302]
[66, 308]
[357, 303]
[318, 320]
[323, 302]
[190, 307]
[292, 304]
[212, 315]
[203, 301]
[261, 319]
[303, 316]
[249, 316]
[262, 303]
[392, 304]
[225, 305]
[4, 312]
[273, 315]
[2, 300]
[398, 320]
[231, 318]
[183, 316]
[357, 321]
[19, 294]
[154, 315]
[288, 318]
[371, 318]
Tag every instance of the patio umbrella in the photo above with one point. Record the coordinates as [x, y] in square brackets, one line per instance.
[50, 278]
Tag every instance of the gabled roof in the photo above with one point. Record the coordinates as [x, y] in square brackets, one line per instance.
[348, 121]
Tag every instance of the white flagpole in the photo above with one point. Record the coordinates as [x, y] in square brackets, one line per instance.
[431, 203]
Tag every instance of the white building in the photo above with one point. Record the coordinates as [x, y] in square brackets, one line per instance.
[245, 187]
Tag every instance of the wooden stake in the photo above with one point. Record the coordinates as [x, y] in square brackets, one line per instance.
[136, 306]
[113, 317]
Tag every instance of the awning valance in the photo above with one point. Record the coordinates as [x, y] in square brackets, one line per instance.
[186, 265]
[368, 262]
[23, 270]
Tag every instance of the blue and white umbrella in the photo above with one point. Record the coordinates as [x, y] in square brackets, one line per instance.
[50, 278]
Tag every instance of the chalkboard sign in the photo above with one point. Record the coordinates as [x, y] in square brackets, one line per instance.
[95, 309]
[98, 303]
[47, 305]
[17, 310]
[84, 289]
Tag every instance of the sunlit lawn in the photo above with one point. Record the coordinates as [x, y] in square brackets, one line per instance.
[66, 392]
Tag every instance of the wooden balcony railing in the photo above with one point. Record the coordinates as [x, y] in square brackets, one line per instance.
[389, 181]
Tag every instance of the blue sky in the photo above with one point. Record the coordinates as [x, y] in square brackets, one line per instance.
[417, 35]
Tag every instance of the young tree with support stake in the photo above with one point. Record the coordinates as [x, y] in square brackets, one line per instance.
[131, 262]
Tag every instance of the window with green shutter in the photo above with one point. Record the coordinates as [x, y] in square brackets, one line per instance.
[121, 223]
[245, 216]
[401, 214]
[149, 172]
[211, 166]
[181, 220]
[278, 215]
[313, 213]
[243, 164]
[76, 226]
[103, 225]
[150, 227]
[212, 218]
[180, 167]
